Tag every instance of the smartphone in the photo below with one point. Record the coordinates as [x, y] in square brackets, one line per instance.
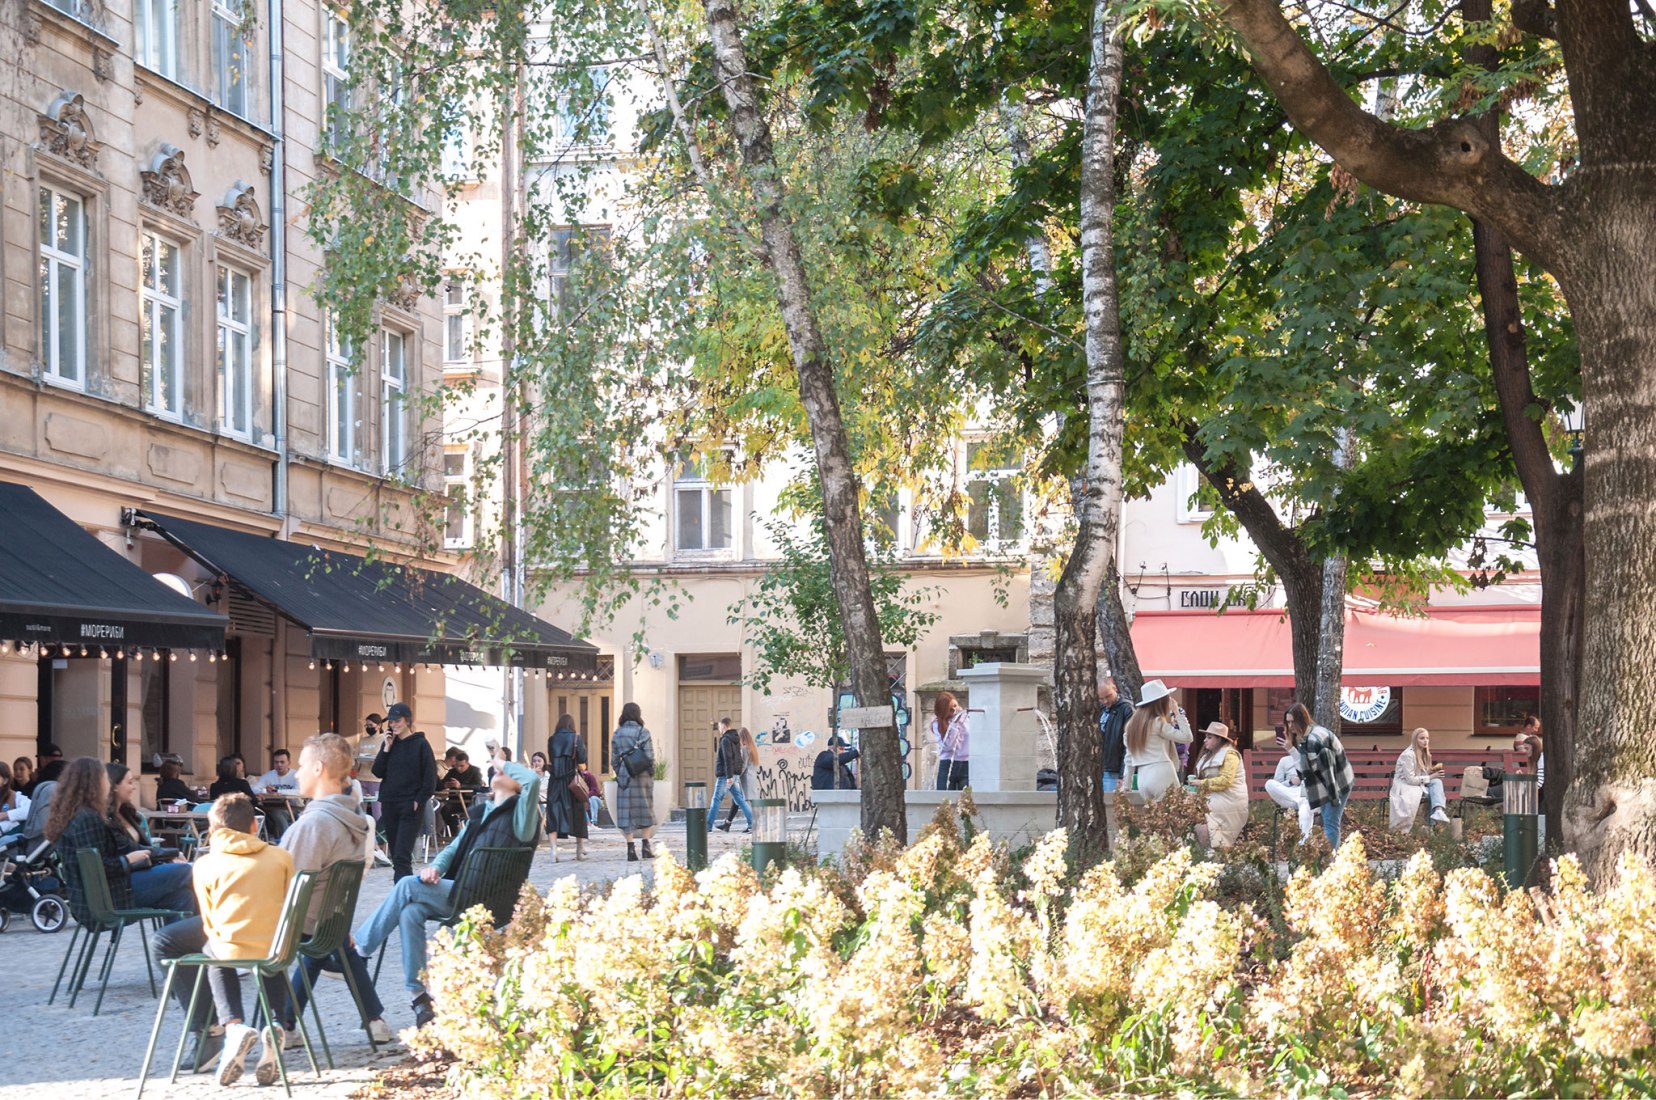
[1281, 736]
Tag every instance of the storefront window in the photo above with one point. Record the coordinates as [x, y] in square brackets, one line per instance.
[1500, 711]
[155, 685]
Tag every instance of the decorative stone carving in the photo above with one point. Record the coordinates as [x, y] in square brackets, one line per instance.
[66, 131]
[406, 296]
[103, 64]
[239, 217]
[195, 120]
[212, 130]
[167, 182]
[31, 27]
[267, 159]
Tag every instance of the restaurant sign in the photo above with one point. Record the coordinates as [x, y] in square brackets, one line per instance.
[1364, 704]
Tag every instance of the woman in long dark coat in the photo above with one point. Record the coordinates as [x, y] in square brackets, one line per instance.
[565, 749]
[632, 751]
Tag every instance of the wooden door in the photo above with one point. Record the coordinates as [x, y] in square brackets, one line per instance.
[700, 705]
[594, 720]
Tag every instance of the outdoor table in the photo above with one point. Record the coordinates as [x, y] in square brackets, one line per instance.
[181, 824]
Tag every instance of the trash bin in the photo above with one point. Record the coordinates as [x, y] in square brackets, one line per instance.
[695, 825]
[1520, 804]
[770, 833]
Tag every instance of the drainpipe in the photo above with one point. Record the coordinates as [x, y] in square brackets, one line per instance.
[278, 262]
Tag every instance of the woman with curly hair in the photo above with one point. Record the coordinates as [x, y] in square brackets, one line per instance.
[80, 819]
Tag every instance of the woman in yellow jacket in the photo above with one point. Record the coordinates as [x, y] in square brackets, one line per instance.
[240, 885]
[1219, 774]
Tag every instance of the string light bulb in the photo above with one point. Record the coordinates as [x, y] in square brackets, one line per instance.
[172, 656]
[192, 656]
[312, 664]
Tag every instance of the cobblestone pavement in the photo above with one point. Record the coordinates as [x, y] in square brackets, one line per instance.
[54, 1051]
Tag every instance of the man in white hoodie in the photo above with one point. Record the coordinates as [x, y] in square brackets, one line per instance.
[331, 829]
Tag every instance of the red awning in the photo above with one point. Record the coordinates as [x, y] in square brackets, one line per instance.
[1477, 646]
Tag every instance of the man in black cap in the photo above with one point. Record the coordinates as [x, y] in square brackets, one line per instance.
[408, 775]
[49, 765]
[832, 769]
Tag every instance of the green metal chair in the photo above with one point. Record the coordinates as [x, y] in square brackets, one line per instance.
[490, 877]
[336, 911]
[98, 918]
[284, 948]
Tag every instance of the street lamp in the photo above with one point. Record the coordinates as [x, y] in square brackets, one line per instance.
[1573, 419]
[695, 825]
[770, 833]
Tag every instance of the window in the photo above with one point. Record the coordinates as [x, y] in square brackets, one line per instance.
[158, 36]
[881, 515]
[161, 334]
[235, 351]
[718, 668]
[456, 323]
[457, 525]
[995, 512]
[1500, 711]
[336, 74]
[582, 116]
[1193, 497]
[342, 397]
[63, 287]
[393, 401]
[155, 687]
[456, 159]
[572, 250]
[701, 510]
[233, 54]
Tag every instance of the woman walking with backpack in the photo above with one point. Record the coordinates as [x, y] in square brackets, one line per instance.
[634, 755]
[564, 818]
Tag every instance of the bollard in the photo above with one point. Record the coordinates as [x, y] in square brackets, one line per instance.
[695, 826]
[770, 833]
[1518, 829]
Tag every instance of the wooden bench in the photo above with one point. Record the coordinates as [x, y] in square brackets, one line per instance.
[1372, 770]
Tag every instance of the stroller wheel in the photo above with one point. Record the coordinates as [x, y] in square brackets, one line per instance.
[49, 914]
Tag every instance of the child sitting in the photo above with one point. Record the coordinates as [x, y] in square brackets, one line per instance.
[240, 886]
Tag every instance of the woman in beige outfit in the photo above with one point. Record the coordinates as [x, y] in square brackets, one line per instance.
[1152, 763]
[1221, 776]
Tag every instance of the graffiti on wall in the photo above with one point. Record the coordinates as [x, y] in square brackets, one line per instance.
[787, 778]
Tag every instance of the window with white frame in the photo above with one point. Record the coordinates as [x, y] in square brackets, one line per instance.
[456, 322]
[995, 512]
[343, 422]
[158, 36]
[393, 401]
[235, 351]
[457, 521]
[336, 72]
[573, 250]
[701, 509]
[881, 516]
[161, 335]
[233, 55]
[1189, 503]
[582, 116]
[63, 286]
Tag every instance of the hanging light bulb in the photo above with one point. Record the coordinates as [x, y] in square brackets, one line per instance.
[312, 664]
[192, 656]
[138, 656]
[346, 668]
[172, 656]
[83, 651]
[382, 668]
[328, 666]
[120, 654]
[66, 651]
[211, 656]
[5, 648]
[394, 668]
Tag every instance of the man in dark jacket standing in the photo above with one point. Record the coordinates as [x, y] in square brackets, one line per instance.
[1113, 712]
[407, 772]
[832, 768]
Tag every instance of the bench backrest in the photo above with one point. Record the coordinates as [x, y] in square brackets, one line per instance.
[1372, 769]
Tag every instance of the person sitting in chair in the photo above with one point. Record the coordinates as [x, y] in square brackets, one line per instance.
[509, 818]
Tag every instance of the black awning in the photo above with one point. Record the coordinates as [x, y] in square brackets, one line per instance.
[60, 585]
[358, 609]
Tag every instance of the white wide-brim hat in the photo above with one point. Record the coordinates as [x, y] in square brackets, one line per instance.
[1153, 690]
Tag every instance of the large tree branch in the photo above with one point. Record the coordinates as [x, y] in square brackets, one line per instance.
[1451, 163]
[1234, 483]
[1535, 17]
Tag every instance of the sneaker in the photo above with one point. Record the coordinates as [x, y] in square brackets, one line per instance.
[378, 1031]
[1439, 816]
[270, 1053]
[423, 1013]
[291, 1039]
[207, 1048]
[238, 1043]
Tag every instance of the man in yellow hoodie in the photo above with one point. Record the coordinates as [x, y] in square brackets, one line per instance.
[240, 885]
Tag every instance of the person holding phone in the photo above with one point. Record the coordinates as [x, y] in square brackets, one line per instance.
[1323, 766]
[1416, 776]
[1154, 734]
[407, 772]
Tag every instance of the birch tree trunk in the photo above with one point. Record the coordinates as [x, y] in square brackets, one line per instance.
[1331, 620]
[1075, 664]
[883, 804]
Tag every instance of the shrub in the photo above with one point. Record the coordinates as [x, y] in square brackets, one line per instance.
[940, 967]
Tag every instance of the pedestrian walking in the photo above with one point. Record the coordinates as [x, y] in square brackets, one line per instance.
[1324, 769]
[1221, 776]
[750, 774]
[407, 772]
[729, 760]
[634, 754]
[566, 791]
[951, 737]
[1113, 713]
[1153, 736]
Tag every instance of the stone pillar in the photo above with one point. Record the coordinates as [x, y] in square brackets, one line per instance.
[1006, 735]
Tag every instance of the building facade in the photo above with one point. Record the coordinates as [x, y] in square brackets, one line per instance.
[162, 352]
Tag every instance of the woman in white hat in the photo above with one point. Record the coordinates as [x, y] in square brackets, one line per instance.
[1220, 775]
[1156, 727]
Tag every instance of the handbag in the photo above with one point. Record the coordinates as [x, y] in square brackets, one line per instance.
[578, 789]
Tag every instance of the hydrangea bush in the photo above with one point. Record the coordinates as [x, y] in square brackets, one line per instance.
[951, 966]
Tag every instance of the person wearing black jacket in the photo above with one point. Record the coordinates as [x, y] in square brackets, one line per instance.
[407, 772]
[832, 769]
[1113, 712]
[729, 760]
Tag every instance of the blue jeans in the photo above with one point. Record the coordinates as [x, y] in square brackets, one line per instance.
[409, 907]
[164, 886]
[734, 786]
[1112, 782]
[371, 1007]
[1434, 794]
[1333, 812]
[592, 810]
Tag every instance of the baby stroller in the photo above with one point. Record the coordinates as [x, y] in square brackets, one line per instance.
[31, 882]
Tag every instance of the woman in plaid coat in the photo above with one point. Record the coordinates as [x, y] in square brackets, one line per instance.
[634, 756]
[1323, 767]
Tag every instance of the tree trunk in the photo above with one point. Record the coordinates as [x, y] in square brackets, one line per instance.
[1114, 634]
[1075, 604]
[883, 803]
[1324, 701]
